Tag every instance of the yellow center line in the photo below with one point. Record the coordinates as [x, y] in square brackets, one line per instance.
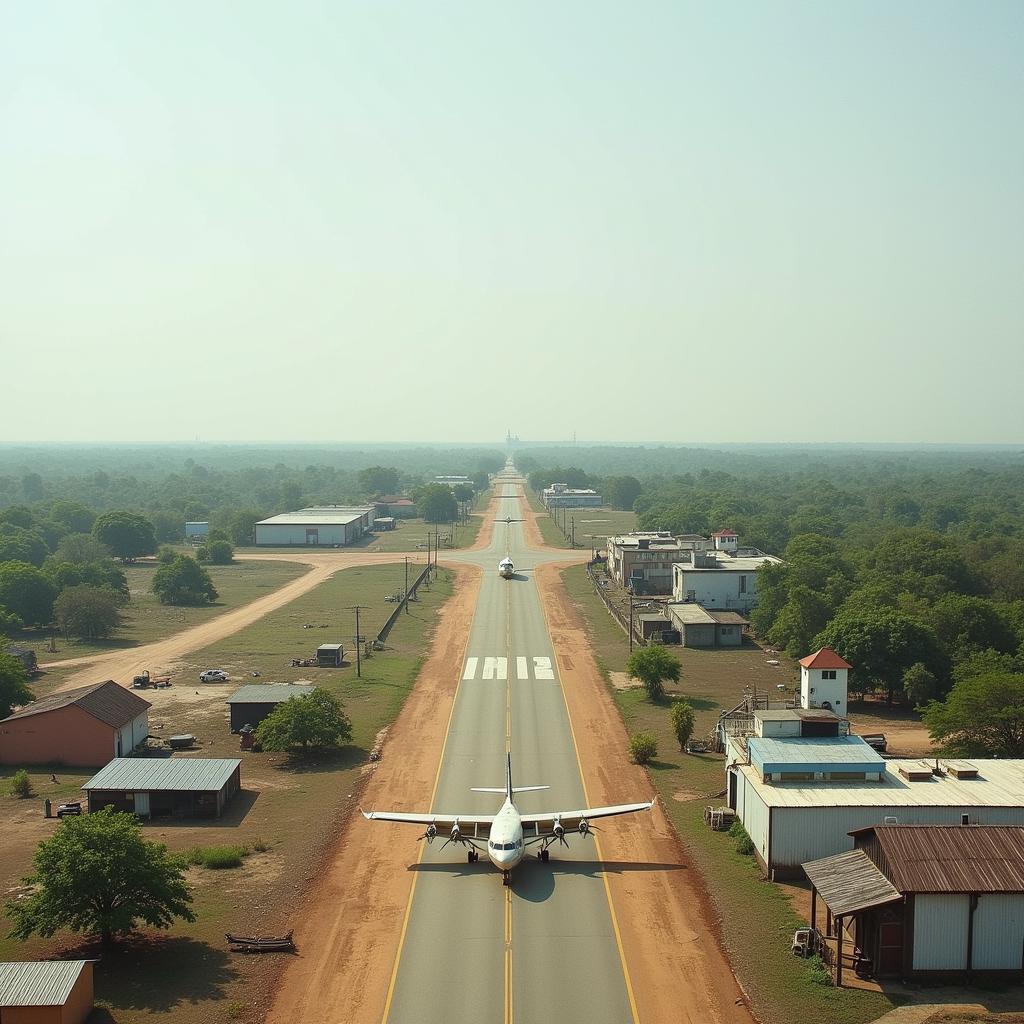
[508, 956]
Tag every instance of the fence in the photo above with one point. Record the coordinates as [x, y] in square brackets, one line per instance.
[616, 611]
[400, 607]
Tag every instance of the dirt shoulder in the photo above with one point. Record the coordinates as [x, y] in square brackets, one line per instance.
[349, 925]
[669, 936]
[161, 655]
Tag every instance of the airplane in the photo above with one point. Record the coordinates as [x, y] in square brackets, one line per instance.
[506, 835]
[508, 520]
[506, 570]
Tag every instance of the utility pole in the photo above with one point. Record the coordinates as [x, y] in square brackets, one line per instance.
[359, 640]
[574, 531]
[630, 621]
[406, 584]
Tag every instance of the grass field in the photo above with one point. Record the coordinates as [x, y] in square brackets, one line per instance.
[592, 525]
[758, 918]
[287, 812]
[146, 619]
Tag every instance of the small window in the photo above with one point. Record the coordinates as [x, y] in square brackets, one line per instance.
[828, 673]
[796, 776]
[743, 584]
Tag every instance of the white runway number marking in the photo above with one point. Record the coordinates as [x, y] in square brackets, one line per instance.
[498, 668]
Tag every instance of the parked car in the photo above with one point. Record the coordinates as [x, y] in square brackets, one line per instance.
[213, 675]
[71, 807]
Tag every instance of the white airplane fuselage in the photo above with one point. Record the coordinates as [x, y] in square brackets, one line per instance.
[506, 570]
[505, 845]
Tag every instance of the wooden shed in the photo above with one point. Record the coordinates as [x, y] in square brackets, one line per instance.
[253, 703]
[46, 992]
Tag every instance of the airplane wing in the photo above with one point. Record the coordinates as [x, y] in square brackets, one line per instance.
[537, 826]
[475, 826]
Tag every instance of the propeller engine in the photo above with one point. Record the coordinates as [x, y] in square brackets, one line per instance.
[455, 837]
[558, 830]
[431, 833]
[584, 827]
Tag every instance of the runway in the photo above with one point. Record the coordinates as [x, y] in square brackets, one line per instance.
[547, 946]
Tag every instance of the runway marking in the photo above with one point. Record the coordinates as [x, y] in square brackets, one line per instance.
[508, 956]
[495, 668]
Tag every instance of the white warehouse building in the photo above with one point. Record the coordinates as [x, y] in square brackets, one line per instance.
[328, 525]
[801, 785]
[715, 579]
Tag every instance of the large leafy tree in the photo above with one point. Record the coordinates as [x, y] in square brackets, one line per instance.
[97, 875]
[95, 574]
[216, 552]
[81, 547]
[983, 716]
[653, 666]
[183, 582]
[18, 544]
[14, 689]
[375, 480]
[303, 723]
[881, 646]
[437, 504]
[87, 612]
[965, 624]
[622, 491]
[73, 516]
[128, 535]
[27, 592]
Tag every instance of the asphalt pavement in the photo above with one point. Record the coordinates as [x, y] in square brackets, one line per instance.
[544, 948]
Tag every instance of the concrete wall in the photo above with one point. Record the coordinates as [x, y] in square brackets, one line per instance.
[698, 634]
[716, 588]
[63, 736]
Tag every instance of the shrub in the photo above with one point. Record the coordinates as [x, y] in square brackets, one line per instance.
[744, 844]
[260, 845]
[21, 784]
[643, 747]
[818, 972]
[682, 721]
[218, 857]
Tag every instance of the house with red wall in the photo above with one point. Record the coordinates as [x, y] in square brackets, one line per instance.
[86, 727]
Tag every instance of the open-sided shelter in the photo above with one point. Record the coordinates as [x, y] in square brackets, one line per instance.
[251, 704]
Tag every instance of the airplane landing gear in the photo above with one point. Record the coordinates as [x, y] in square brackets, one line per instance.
[472, 857]
[506, 878]
[545, 855]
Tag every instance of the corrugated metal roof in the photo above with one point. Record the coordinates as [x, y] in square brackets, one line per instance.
[269, 693]
[849, 882]
[177, 774]
[39, 983]
[953, 858]
[312, 519]
[109, 703]
[999, 784]
[830, 752]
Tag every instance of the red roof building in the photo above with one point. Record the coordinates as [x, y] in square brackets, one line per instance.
[725, 533]
[825, 657]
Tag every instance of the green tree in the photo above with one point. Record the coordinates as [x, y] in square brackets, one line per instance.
[94, 574]
[804, 615]
[653, 666]
[73, 516]
[87, 612]
[216, 552]
[20, 545]
[983, 716]
[965, 624]
[683, 721]
[21, 784]
[379, 480]
[437, 504]
[643, 747]
[881, 646]
[183, 582]
[81, 547]
[240, 525]
[622, 491]
[14, 691]
[303, 723]
[168, 527]
[27, 592]
[919, 684]
[129, 536]
[97, 875]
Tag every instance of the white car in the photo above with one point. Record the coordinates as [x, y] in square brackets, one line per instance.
[213, 675]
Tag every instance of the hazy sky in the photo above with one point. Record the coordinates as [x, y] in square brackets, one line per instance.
[432, 221]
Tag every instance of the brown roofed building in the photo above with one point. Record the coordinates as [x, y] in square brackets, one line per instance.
[87, 726]
[926, 899]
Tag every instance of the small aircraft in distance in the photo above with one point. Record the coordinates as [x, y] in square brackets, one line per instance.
[505, 835]
[508, 520]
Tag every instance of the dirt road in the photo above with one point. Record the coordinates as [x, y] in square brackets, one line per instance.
[161, 655]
